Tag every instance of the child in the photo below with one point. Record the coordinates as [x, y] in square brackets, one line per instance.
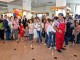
[31, 30]
[27, 33]
[51, 35]
[46, 26]
[21, 32]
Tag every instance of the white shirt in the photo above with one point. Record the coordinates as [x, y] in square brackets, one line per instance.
[50, 29]
[39, 25]
[31, 29]
[11, 24]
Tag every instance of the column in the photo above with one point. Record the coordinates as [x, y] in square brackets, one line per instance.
[27, 6]
[60, 3]
[73, 8]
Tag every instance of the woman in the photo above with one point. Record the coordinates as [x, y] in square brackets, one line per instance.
[35, 29]
[78, 35]
[60, 32]
[10, 23]
[39, 31]
[15, 27]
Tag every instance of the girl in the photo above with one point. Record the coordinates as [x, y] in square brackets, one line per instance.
[35, 29]
[46, 26]
[27, 33]
[31, 29]
[21, 32]
[15, 27]
[51, 34]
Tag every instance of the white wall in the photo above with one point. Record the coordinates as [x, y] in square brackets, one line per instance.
[44, 9]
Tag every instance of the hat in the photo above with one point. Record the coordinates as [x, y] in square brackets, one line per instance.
[61, 14]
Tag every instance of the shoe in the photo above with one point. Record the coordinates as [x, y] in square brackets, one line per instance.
[59, 51]
[63, 49]
[67, 45]
[54, 47]
[50, 48]
[45, 44]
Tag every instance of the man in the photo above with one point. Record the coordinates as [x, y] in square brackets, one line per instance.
[52, 16]
[1, 28]
[6, 28]
[60, 32]
[24, 21]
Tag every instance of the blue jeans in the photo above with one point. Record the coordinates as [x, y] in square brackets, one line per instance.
[39, 36]
[7, 35]
[78, 38]
[67, 39]
[51, 39]
[46, 38]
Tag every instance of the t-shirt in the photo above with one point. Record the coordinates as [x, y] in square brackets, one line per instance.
[51, 29]
[31, 28]
[16, 24]
[39, 26]
[57, 22]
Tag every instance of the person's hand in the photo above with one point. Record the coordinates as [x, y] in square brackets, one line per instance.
[60, 31]
[5, 29]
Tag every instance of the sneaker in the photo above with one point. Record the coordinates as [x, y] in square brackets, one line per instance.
[59, 51]
[63, 49]
[50, 48]
[67, 45]
[54, 47]
[45, 44]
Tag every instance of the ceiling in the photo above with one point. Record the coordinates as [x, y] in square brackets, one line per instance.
[36, 3]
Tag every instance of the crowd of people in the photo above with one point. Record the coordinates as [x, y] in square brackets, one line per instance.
[55, 30]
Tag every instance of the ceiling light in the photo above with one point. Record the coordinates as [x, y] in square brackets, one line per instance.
[6, 0]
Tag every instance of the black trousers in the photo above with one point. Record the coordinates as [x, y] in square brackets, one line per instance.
[2, 34]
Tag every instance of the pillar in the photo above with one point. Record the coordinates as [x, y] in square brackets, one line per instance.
[60, 3]
[27, 6]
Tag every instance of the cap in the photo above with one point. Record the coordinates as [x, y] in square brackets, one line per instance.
[61, 14]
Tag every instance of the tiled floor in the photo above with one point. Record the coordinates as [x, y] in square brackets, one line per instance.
[12, 50]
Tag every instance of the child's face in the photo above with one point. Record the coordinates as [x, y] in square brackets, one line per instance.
[30, 21]
[21, 24]
[50, 22]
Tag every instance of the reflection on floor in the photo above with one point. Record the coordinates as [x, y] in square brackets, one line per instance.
[12, 50]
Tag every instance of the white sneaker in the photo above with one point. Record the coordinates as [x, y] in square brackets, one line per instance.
[50, 48]
[67, 45]
[45, 44]
[54, 47]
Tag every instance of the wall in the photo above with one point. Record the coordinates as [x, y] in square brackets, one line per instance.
[11, 7]
[3, 11]
[44, 9]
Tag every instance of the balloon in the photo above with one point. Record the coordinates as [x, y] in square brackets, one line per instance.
[14, 14]
[20, 14]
